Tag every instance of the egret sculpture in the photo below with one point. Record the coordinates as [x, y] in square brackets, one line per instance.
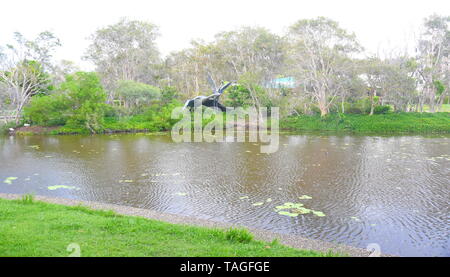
[211, 101]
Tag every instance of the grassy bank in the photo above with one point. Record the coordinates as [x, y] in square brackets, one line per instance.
[394, 123]
[32, 228]
[377, 123]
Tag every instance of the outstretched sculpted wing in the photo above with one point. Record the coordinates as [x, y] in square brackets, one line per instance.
[224, 87]
[211, 100]
[211, 82]
[186, 104]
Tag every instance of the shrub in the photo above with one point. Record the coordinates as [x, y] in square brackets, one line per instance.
[168, 94]
[87, 100]
[136, 95]
[160, 115]
[237, 96]
[50, 110]
[383, 109]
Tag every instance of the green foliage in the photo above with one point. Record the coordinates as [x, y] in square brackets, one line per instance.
[382, 109]
[80, 105]
[238, 96]
[48, 110]
[238, 235]
[155, 118]
[377, 123]
[160, 115]
[440, 87]
[4, 128]
[361, 106]
[87, 100]
[27, 199]
[168, 93]
[36, 75]
[136, 95]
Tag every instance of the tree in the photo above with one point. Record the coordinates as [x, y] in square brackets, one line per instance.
[254, 56]
[62, 69]
[24, 69]
[321, 52]
[187, 70]
[135, 95]
[434, 61]
[87, 100]
[125, 51]
[392, 80]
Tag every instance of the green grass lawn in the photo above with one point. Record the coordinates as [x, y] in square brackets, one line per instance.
[377, 123]
[32, 228]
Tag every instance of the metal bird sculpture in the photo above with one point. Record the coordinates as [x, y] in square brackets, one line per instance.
[211, 101]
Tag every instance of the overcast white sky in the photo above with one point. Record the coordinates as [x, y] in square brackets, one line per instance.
[378, 24]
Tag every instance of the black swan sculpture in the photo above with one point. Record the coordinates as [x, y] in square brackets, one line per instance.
[211, 101]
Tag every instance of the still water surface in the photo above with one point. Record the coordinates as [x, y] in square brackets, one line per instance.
[394, 191]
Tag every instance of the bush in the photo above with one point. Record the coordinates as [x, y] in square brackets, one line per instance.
[87, 100]
[361, 106]
[156, 118]
[48, 110]
[80, 105]
[136, 95]
[237, 96]
[383, 109]
[160, 115]
[168, 94]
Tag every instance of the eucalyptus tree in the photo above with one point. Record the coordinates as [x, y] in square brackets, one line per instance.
[253, 56]
[321, 52]
[125, 50]
[391, 79]
[135, 95]
[190, 69]
[63, 68]
[24, 69]
[434, 61]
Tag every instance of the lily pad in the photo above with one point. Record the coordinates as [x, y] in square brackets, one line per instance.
[9, 180]
[62, 187]
[289, 205]
[318, 213]
[287, 213]
[243, 197]
[35, 146]
[355, 218]
[302, 210]
[181, 193]
[258, 203]
[269, 200]
[303, 197]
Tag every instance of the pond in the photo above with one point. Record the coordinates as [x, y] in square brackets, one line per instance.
[352, 189]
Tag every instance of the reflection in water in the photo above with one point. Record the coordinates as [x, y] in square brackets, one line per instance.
[393, 191]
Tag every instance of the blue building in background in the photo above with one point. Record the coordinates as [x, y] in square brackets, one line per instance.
[285, 82]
